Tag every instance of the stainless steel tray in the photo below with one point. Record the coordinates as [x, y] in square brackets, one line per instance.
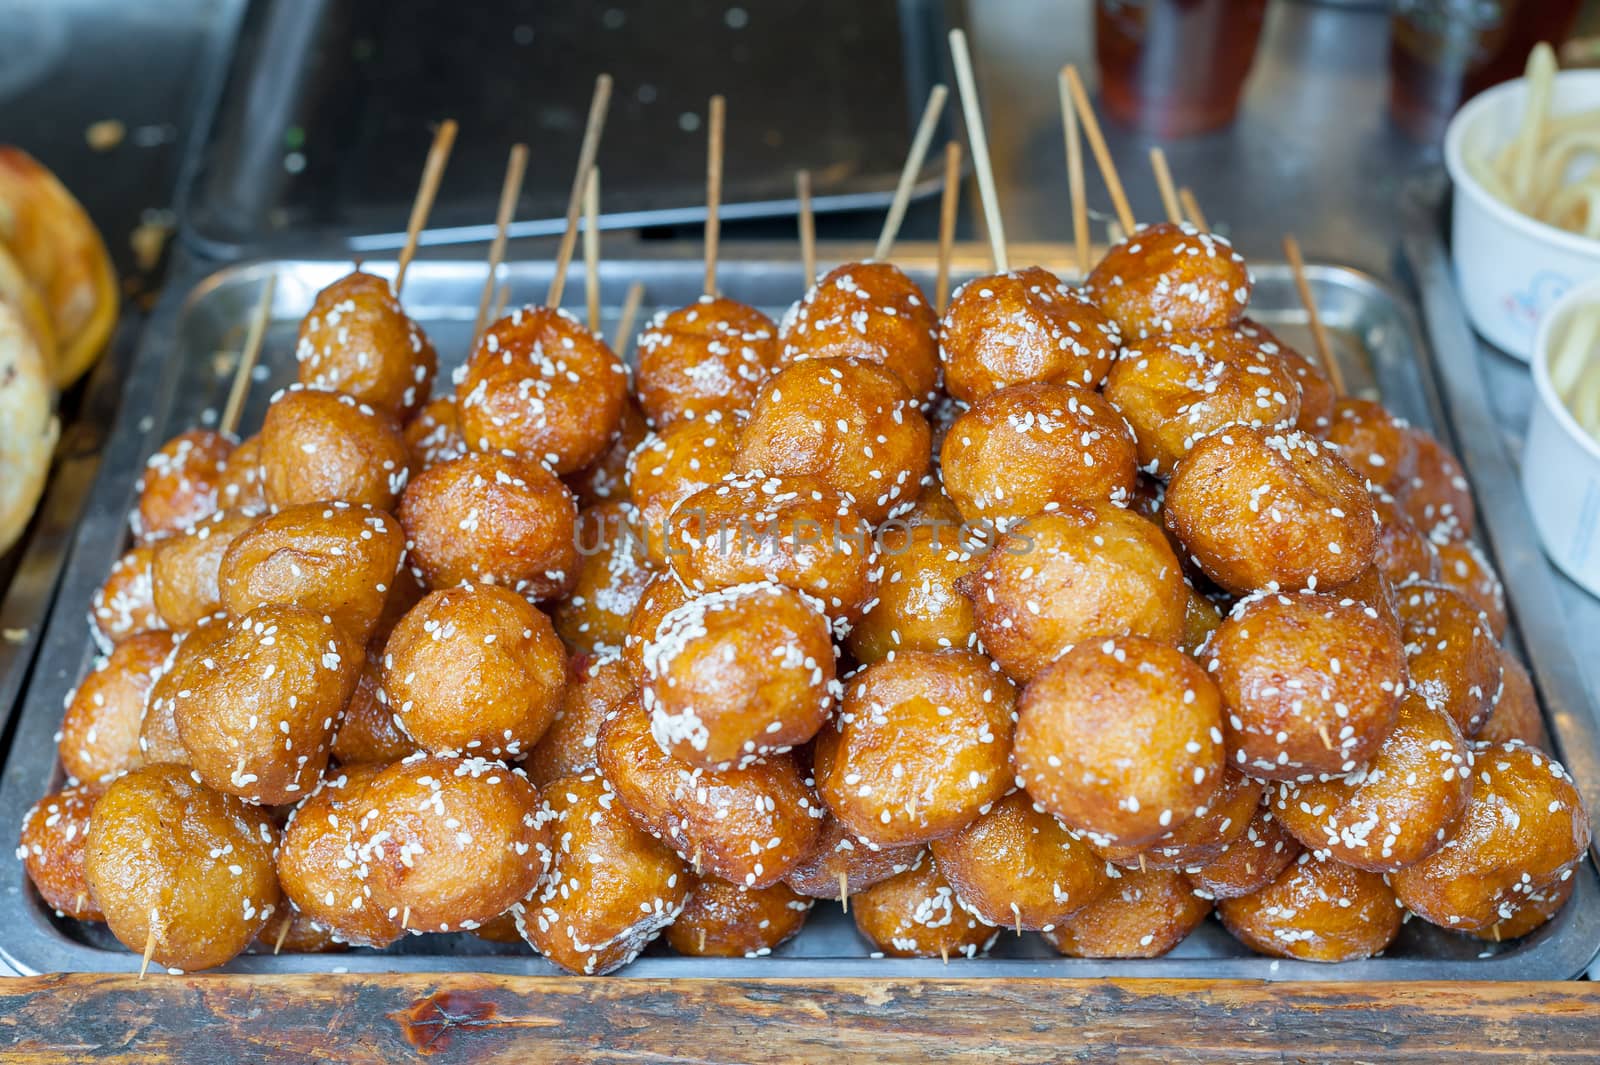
[181, 377]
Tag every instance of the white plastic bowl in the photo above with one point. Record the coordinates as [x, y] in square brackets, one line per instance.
[1561, 462]
[1511, 268]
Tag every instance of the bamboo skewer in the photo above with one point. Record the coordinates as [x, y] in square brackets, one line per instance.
[1102, 155]
[973, 110]
[908, 173]
[444, 139]
[1075, 189]
[947, 223]
[844, 890]
[283, 934]
[1169, 191]
[1191, 207]
[501, 298]
[510, 190]
[1319, 335]
[598, 104]
[591, 248]
[717, 118]
[149, 942]
[630, 311]
[248, 356]
[808, 227]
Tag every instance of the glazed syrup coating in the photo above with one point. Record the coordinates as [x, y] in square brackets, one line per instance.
[321, 872]
[1121, 738]
[475, 669]
[1437, 496]
[1031, 449]
[919, 748]
[709, 356]
[611, 888]
[1516, 714]
[1170, 278]
[746, 826]
[99, 736]
[794, 531]
[318, 446]
[1258, 508]
[1018, 867]
[1145, 914]
[367, 732]
[848, 422]
[1317, 395]
[1249, 863]
[331, 558]
[171, 861]
[612, 574]
[491, 519]
[1451, 655]
[1397, 809]
[1200, 619]
[125, 603]
[357, 339]
[55, 833]
[449, 842]
[302, 936]
[605, 480]
[1312, 683]
[919, 606]
[243, 485]
[671, 465]
[1203, 838]
[917, 915]
[722, 920]
[1176, 388]
[434, 435]
[1376, 444]
[739, 674]
[1316, 911]
[1405, 554]
[540, 385]
[158, 727]
[872, 312]
[1021, 327]
[839, 851]
[1465, 568]
[184, 570]
[1523, 831]
[258, 714]
[1081, 572]
[595, 685]
[179, 483]
[1531, 914]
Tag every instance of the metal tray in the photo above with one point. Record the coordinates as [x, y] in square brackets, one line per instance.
[181, 377]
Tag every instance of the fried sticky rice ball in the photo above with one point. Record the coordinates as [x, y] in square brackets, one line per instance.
[1317, 395]
[258, 715]
[180, 483]
[450, 842]
[1021, 327]
[243, 485]
[1082, 572]
[919, 747]
[664, 594]
[919, 607]
[1316, 910]
[673, 464]
[184, 571]
[1204, 837]
[1031, 449]
[332, 558]
[1250, 862]
[1170, 278]
[722, 920]
[1405, 554]
[1312, 683]
[290, 931]
[739, 674]
[1437, 495]
[611, 888]
[1516, 714]
[322, 874]
[434, 435]
[176, 865]
[872, 312]
[491, 519]
[540, 385]
[1176, 388]
[125, 603]
[1376, 444]
[747, 826]
[318, 446]
[475, 669]
[1464, 567]
[358, 339]
[100, 731]
[367, 732]
[1452, 657]
[595, 685]
[1522, 833]
[1200, 619]
[1145, 914]
[709, 356]
[1018, 867]
[158, 728]
[917, 915]
[1398, 808]
[1257, 508]
[612, 574]
[55, 833]
[848, 422]
[839, 858]
[605, 480]
[1531, 914]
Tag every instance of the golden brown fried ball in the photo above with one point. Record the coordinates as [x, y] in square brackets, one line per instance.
[723, 920]
[243, 485]
[1021, 327]
[357, 339]
[55, 834]
[1316, 911]
[1317, 395]
[321, 871]
[1516, 714]
[664, 594]
[125, 603]
[872, 312]
[184, 570]
[917, 915]
[919, 748]
[100, 732]
[605, 480]
[290, 931]
[1531, 914]
[919, 606]
[841, 864]
[673, 464]
[1405, 554]
[1376, 444]
[1200, 619]
[434, 435]
[1204, 837]
[612, 574]
[1437, 495]
[595, 685]
[180, 483]
[367, 731]
[318, 446]
[1169, 278]
[1464, 567]
[158, 727]
[1451, 655]
[1145, 914]
[540, 385]
[1250, 862]
[709, 356]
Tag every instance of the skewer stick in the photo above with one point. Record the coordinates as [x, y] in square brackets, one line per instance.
[979, 140]
[1319, 335]
[944, 953]
[149, 943]
[716, 117]
[1102, 155]
[1075, 189]
[630, 311]
[1191, 207]
[1141, 862]
[591, 248]
[913, 167]
[947, 223]
[591, 146]
[1322, 732]
[516, 166]
[1016, 914]
[444, 139]
[283, 934]
[808, 227]
[1169, 191]
[501, 298]
[702, 939]
[248, 357]
[844, 890]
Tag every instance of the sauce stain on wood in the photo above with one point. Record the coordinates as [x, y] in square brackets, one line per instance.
[430, 1024]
